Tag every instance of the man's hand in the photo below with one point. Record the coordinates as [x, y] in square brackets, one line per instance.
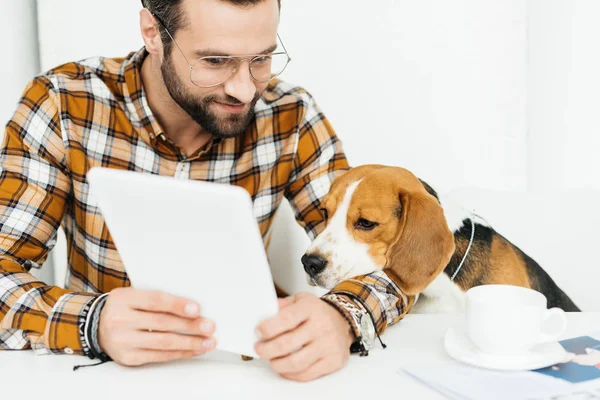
[138, 327]
[307, 339]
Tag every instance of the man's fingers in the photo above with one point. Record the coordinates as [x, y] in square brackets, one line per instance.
[299, 361]
[286, 343]
[286, 319]
[162, 322]
[173, 341]
[318, 369]
[142, 357]
[156, 301]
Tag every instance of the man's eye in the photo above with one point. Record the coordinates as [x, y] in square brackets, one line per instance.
[365, 225]
[215, 61]
[262, 60]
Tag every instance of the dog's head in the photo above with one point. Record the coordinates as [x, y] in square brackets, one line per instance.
[378, 218]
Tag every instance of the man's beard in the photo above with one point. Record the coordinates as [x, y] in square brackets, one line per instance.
[198, 108]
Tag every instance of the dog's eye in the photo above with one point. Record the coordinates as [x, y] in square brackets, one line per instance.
[325, 213]
[364, 224]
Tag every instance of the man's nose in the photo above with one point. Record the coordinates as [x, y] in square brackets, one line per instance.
[313, 265]
[241, 84]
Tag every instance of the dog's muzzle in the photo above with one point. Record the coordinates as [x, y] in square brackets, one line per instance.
[313, 265]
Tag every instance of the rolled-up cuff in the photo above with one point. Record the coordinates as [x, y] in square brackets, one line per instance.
[379, 296]
[64, 323]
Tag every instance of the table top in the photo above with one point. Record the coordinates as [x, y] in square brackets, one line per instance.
[417, 339]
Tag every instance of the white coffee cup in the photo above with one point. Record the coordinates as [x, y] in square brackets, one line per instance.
[510, 320]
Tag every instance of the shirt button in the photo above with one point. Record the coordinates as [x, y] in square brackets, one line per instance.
[69, 351]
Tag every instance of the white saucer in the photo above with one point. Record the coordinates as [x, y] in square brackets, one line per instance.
[461, 348]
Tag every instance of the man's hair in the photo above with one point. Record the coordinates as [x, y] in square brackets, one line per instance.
[171, 16]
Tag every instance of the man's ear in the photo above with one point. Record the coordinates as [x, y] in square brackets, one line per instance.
[423, 246]
[150, 32]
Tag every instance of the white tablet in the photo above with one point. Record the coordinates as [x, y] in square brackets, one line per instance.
[192, 239]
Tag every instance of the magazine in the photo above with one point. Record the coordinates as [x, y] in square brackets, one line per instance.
[576, 378]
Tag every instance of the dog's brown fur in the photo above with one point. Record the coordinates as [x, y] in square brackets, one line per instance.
[414, 243]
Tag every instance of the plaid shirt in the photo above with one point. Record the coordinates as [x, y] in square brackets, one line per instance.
[95, 113]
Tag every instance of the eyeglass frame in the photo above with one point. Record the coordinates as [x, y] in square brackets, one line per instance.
[240, 59]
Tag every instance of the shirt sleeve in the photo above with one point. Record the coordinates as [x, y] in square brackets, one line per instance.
[375, 293]
[319, 160]
[34, 187]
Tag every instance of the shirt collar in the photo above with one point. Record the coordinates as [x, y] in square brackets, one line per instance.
[135, 98]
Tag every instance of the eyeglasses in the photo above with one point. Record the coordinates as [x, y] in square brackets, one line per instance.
[211, 71]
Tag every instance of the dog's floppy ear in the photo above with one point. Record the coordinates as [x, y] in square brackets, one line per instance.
[424, 244]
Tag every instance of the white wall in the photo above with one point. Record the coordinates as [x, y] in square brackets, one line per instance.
[19, 60]
[443, 88]
[564, 90]
[74, 29]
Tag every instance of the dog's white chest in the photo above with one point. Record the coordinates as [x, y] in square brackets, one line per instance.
[441, 296]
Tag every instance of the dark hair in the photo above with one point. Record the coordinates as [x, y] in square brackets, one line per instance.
[170, 15]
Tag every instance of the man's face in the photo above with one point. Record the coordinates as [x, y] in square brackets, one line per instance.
[216, 27]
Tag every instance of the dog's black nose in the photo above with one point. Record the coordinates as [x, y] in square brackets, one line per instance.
[313, 265]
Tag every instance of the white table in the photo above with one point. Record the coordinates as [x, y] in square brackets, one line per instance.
[416, 339]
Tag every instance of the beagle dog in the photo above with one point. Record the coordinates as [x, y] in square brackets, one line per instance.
[385, 218]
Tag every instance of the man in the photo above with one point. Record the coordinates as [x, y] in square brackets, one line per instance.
[197, 102]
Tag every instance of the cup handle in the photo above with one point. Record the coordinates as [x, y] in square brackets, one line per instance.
[558, 313]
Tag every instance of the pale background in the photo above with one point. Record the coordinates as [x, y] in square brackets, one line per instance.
[494, 101]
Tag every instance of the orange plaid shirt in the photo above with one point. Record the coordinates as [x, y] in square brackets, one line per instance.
[95, 113]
